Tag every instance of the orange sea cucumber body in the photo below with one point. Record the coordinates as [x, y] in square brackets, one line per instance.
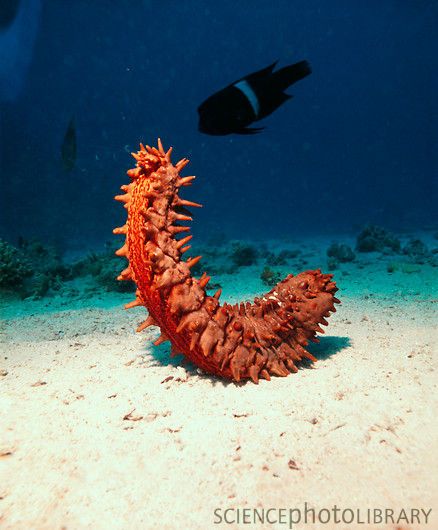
[267, 337]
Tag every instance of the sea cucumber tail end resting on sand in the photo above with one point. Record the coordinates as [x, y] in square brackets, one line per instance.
[241, 341]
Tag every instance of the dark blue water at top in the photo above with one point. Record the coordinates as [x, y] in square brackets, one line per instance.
[357, 144]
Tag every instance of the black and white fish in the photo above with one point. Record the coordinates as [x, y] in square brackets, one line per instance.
[252, 98]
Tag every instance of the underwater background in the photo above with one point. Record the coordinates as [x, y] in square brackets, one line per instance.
[356, 145]
[103, 427]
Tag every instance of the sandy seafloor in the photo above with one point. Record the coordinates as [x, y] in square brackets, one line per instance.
[100, 430]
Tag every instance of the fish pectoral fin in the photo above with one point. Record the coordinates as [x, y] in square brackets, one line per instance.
[250, 130]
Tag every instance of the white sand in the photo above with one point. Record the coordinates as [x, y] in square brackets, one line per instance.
[358, 430]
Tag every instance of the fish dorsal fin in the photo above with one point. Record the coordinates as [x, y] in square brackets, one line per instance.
[260, 74]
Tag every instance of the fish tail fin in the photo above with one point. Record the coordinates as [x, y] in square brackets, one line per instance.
[289, 75]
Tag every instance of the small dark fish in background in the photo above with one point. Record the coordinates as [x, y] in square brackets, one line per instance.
[68, 148]
[249, 99]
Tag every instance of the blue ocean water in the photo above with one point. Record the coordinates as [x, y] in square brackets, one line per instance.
[103, 430]
[356, 145]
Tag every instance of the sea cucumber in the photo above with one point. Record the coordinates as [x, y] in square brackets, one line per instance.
[241, 341]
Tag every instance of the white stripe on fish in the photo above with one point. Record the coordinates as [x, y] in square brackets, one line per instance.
[246, 89]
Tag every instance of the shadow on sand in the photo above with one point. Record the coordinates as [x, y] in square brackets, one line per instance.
[326, 348]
